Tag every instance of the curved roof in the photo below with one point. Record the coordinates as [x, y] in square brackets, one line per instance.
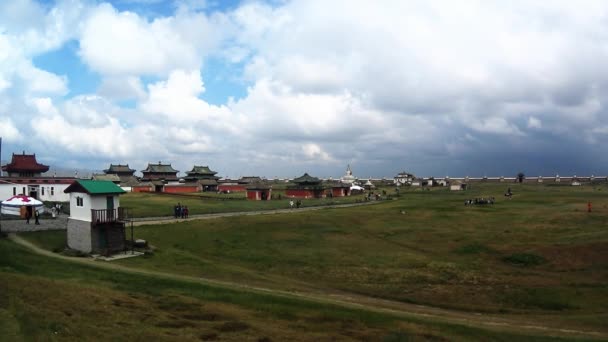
[25, 163]
[161, 168]
[306, 179]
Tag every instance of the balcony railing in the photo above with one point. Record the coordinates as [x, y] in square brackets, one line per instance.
[100, 216]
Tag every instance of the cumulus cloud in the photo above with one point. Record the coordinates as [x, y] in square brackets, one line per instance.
[424, 85]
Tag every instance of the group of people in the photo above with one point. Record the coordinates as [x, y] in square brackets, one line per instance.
[28, 216]
[479, 200]
[180, 211]
[298, 203]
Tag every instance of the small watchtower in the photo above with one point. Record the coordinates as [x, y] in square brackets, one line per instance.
[97, 222]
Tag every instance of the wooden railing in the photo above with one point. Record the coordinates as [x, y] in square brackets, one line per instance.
[99, 216]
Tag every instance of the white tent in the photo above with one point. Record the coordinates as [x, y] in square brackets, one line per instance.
[12, 206]
[356, 188]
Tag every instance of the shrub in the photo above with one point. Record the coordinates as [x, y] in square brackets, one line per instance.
[524, 259]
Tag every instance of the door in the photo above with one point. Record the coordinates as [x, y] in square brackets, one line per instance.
[110, 207]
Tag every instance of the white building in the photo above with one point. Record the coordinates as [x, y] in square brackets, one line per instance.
[25, 178]
[96, 223]
[404, 178]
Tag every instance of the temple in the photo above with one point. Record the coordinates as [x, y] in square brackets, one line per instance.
[24, 165]
[159, 172]
[348, 177]
[204, 176]
[306, 186]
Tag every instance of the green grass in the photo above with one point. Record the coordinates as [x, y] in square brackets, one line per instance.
[158, 205]
[539, 254]
[48, 299]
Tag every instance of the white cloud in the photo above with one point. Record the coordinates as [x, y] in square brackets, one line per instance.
[534, 123]
[314, 151]
[124, 43]
[9, 131]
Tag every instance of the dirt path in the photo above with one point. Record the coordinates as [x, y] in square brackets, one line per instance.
[164, 220]
[400, 309]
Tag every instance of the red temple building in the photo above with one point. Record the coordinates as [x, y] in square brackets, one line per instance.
[305, 187]
[24, 165]
[259, 192]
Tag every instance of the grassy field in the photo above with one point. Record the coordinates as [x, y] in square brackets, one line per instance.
[539, 255]
[43, 299]
[157, 205]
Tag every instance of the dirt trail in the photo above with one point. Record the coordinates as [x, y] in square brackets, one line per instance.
[400, 309]
[164, 220]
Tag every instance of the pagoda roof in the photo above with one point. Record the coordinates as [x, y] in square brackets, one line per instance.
[108, 177]
[118, 168]
[204, 170]
[306, 179]
[249, 180]
[160, 168]
[25, 163]
[94, 187]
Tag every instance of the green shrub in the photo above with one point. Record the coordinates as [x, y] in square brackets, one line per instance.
[524, 259]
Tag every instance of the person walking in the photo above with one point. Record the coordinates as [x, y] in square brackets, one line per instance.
[36, 217]
[28, 215]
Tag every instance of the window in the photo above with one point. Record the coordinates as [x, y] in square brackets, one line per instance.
[14, 191]
[42, 189]
[79, 202]
[52, 191]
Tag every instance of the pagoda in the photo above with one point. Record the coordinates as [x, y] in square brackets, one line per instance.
[24, 165]
[348, 177]
[159, 171]
[203, 176]
[119, 170]
[305, 186]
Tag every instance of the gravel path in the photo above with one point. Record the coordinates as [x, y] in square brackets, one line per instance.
[15, 226]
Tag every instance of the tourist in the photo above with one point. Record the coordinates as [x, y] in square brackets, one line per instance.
[28, 215]
[290, 204]
[186, 212]
[298, 204]
[36, 216]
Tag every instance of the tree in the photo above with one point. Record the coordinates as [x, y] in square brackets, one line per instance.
[521, 177]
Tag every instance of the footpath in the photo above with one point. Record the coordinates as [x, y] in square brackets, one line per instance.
[168, 219]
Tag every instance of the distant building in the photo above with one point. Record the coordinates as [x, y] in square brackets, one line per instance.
[259, 191]
[305, 186]
[404, 178]
[96, 223]
[159, 172]
[337, 188]
[119, 170]
[348, 178]
[202, 175]
[24, 165]
[239, 185]
[25, 177]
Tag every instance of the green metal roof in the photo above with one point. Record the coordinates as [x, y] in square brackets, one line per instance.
[94, 187]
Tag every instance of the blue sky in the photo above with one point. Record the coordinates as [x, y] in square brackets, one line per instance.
[281, 88]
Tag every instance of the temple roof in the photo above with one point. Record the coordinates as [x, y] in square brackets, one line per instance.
[160, 168]
[25, 163]
[249, 180]
[106, 177]
[119, 169]
[203, 170]
[306, 179]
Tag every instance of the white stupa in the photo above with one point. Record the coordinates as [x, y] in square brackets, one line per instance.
[348, 177]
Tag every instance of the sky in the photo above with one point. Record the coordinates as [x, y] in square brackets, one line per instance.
[279, 88]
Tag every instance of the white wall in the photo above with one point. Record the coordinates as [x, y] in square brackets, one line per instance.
[6, 191]
[89, 202]
[80, 213]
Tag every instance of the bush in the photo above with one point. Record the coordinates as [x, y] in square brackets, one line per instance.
[524, 259]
